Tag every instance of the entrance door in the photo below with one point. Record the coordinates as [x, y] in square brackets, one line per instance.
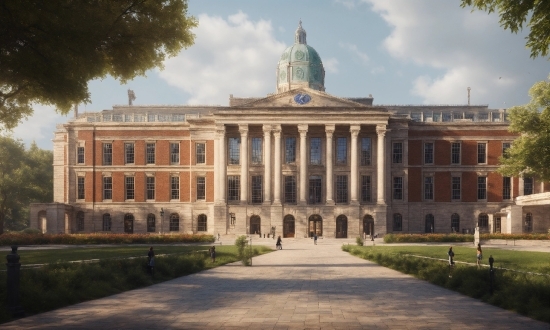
[315, 225]
[288, 226]
[128, 223]
[368, 225]
[255, 225]
[497, 222]
[341, 226]
[429, 224]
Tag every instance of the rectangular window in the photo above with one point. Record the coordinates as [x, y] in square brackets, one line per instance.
[129, 187]
[233, 188]
[290, 189]
[366, 149]
[481, 153]
[234, 150]
[341, 151]
[315, 189]
[366, 186]
[257, 190]
[428, 153]
[200, 153]
[150, 153]
[527, 186]
[80, 155]
[290, 150]
[315, 151]
[455, 188]
[81, 191]
[150, 186]
[256, 151]
[482, 187]
[455, 153]
[397, 152]
[201, 188]
[429, 188]
[107, 154]
[341, 189]
[505, 146]
[398, 188]
[128, 153]
[174, 187]
[174, 153]
[107, 187]
[506, 187]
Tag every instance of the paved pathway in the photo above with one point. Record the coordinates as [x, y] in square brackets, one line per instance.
[301, 287]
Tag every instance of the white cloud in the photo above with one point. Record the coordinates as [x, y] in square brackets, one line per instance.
[40, 127]
[354, 50]
[228, 57]
[331, 65]
[349, 4]
[469, 49]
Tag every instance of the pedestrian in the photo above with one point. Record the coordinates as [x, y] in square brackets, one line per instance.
[479, 255]
[279, 244]
[315, 238]
[151, 260]
[451, 255]
[218, 237]
[213, 253]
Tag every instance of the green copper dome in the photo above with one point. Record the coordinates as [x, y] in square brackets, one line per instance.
[300, 66]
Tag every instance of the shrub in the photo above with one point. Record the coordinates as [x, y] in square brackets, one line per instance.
[359, 241]
[422, 238]
[241, 243]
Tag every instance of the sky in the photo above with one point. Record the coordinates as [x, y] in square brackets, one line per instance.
[400, 51]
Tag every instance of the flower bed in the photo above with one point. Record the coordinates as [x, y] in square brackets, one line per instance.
[8, 239]
[515, 236]
[423, 238]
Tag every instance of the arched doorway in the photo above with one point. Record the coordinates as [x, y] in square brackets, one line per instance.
[342, 226]
[128, 223]
[315, 225]
[202, 222]
[368, 225]
[151, 223]
[429, 224]
[255, 225]
[288, 226]
[42, 222]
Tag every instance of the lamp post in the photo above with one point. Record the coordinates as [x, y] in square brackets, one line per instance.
[162, 220]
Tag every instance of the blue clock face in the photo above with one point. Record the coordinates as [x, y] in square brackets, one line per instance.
[302, 98]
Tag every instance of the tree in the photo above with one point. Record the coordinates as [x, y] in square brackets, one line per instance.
[50, 50]
[25, 176]
[514, 14]
[529, 155]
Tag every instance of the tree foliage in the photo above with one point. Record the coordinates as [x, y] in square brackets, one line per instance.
[529, 155]
[514, 14]
[26, 175]
[50, 50]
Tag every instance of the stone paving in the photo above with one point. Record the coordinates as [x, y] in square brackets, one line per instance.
[303, 286]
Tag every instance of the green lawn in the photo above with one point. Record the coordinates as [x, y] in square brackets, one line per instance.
[526, 261]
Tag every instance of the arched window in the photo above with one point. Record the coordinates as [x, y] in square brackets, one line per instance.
[342, 226]
[174, 222]
[150, 223]
[128, 223]
[483, 221]
[429, 224]
[202, 222]
[106, 222]
[80, 221]
[397, 222]
[455, 223]
[529, 222]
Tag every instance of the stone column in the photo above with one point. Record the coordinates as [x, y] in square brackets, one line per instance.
[329, 130]
[267, 164]
[380, 168]
[220, 164]
[354, 130]
[277, 167]
[303, 163]
[243, 129]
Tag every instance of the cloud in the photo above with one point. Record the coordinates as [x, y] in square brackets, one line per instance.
[40, 127]
[349, 4]
[228, 57]
[331, 65]
[354, 50]
[467, 49]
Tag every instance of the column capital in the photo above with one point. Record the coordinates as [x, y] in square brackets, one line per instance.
[330, 128]
[302, 128]
[277, 131]
[381, 130]
[220, 129]
[243, 129]
[267, 129]
[354, 129]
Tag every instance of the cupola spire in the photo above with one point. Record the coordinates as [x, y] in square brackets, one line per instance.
[300, 35]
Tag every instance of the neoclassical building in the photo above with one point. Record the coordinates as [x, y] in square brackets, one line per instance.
[297, 162]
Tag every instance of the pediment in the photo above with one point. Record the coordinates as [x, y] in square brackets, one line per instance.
[300, 98]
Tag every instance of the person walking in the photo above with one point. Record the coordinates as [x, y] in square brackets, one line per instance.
[315, 238]
[479, 255]
[213, 253]
[451, 255]
[151, 260]
[279, 244]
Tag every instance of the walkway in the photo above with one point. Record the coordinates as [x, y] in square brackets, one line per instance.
[301, 287]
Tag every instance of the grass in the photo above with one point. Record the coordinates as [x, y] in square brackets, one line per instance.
[61, 284]
[524, 293]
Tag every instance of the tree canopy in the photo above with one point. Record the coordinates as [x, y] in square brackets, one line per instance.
[50, 50]
[514, 14]
[529, 155]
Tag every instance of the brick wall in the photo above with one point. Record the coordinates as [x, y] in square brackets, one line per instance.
[415, 184]
[469, 186]
[415, 152]
[494, 187]
[442, 189]
[442, 150]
